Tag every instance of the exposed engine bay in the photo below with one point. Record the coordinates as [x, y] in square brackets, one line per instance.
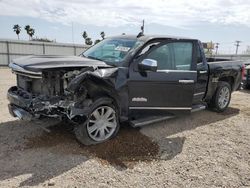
[66, 93]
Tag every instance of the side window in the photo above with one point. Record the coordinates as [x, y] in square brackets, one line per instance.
[148, 47]
[183, 55]
[163, 57]
[173, 56]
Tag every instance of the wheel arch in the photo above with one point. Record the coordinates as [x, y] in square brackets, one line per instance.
[228, 79]
[100, 89]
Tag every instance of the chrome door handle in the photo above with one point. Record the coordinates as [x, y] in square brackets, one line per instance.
[186, 81]
[203, 72]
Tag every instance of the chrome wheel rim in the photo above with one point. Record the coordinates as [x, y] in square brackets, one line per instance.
[102, 123]
[224, 97]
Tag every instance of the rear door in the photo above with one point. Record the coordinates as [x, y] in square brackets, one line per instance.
[171, 87]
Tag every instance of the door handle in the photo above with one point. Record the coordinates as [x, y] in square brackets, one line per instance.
[186, 81]
[203, 72]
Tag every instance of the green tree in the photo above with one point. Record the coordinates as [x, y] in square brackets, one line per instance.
[30, 31]
[84, 35]
[88, 41]
[17, 30]
[27, 28]
[102, 35]
[97, 41]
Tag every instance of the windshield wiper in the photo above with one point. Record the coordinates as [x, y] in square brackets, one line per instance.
[95, 58]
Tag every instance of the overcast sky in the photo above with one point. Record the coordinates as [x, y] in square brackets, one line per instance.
[222, 21]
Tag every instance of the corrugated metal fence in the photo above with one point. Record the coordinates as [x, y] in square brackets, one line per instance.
[233, 57]
[11, 49]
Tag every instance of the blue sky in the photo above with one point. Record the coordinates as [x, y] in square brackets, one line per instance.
[222, 21]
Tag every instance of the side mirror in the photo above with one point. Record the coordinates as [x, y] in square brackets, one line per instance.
[148, 64]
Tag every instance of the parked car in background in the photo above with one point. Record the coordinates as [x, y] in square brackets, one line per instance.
[138, 79]
[246, 78]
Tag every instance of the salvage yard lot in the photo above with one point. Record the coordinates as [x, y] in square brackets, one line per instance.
[202, 150]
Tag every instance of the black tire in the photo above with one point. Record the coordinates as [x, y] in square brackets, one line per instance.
[247, 86]
[81, 131]
[214, 103]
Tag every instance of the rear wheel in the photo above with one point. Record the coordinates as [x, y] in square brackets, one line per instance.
[221, 98]
[101, 125]
[247, 86]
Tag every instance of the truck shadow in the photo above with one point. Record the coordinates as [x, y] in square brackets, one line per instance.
[245, 91]
[26, 149]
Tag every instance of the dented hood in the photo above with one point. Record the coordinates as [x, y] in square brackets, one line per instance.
[38, 63]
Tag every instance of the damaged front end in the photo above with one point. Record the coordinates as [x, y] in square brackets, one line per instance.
[66, 93]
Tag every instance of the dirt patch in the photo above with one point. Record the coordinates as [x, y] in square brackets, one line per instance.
[230, 111]
[246, 111]
[205, 149]
[130, 146]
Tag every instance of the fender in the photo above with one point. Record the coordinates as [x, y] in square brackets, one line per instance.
[110, 82]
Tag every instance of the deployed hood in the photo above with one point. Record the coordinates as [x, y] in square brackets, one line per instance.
[37, 63]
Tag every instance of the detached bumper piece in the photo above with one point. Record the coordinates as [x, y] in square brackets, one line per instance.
[20, 113]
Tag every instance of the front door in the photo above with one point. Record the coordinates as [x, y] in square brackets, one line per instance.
[171, 87]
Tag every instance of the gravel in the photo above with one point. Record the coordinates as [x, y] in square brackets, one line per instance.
[205, 149]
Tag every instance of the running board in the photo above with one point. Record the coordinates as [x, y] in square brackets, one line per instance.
[155, 119]
[149, 120]
[198, 107]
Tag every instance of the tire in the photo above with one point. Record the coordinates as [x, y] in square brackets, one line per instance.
[91, 131]
[221, 98]
[247, 86]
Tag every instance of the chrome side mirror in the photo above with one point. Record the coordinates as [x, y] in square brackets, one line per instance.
[148, 64]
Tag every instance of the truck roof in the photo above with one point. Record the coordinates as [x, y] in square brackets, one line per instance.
[146, 38]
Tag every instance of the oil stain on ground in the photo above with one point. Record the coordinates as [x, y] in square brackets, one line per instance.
[127, 148]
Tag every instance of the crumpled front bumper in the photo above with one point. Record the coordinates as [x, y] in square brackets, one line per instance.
[20, 113]
[19, 105]
[27, 107]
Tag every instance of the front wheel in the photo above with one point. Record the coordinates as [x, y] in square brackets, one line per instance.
[101, 125]
[222, 97]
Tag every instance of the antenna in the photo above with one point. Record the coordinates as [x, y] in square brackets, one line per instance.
[142, 30]
[142, 27]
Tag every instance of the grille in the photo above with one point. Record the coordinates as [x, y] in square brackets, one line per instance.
[32, 85]
[47, 85]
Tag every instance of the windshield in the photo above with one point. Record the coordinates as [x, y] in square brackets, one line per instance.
[112, 51]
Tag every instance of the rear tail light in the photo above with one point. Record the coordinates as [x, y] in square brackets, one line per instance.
[243, 72]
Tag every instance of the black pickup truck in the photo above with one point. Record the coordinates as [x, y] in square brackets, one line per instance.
[140, 80]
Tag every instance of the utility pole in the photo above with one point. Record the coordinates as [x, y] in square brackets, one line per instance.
[237, 44]
[217, 46]
[72, 32]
